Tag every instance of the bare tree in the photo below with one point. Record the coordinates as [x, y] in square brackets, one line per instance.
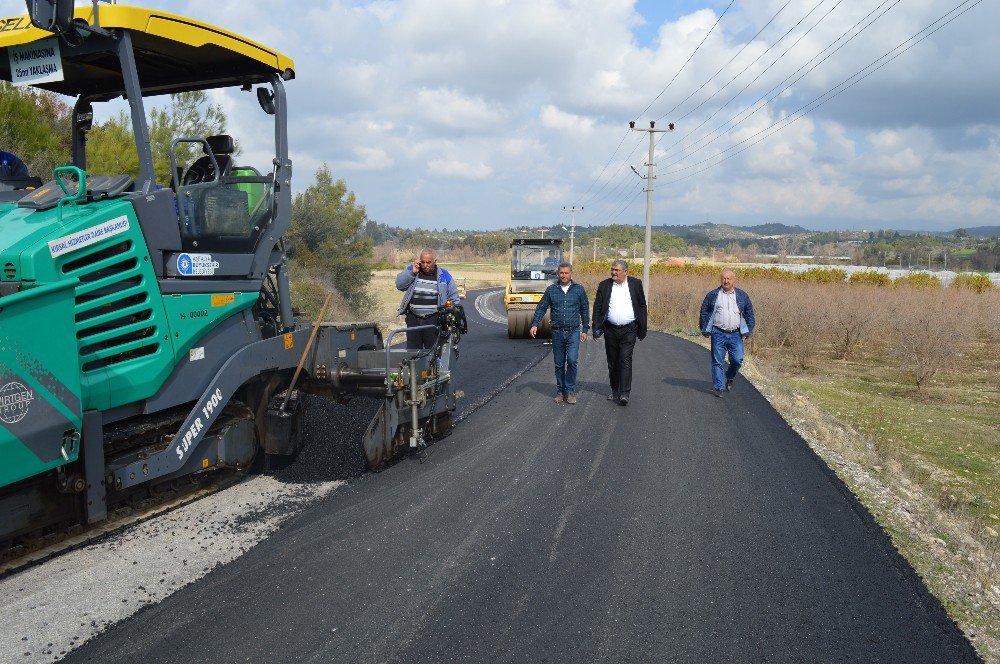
[930, 331]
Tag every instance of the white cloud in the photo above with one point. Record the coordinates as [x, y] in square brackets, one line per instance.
[451, 109]
[368, 159]
[547, 194]
[553, 118]
[449, 168]
[507, 94]
[838, 145]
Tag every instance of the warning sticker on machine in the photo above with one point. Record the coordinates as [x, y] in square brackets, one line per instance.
[81, 239]
[196, 354]
[196, 265]
[37, 62]
[15, 399]
[223, 300]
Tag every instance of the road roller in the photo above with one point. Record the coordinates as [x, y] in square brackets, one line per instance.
[533, 266]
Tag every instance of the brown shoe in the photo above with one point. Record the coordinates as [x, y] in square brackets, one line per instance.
[559, 398]
[570, 398]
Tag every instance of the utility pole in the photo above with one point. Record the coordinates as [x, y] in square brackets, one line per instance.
[572, 227]
[652, 131]
[595, 249]
[543, 233]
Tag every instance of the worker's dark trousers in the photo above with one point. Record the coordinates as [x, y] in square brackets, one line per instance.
[418, 339]
[619, 341]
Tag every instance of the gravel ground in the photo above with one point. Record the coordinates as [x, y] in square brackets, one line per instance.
[48, 610]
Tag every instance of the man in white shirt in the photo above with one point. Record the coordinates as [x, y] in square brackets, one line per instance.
[620, 315]
[727, 317]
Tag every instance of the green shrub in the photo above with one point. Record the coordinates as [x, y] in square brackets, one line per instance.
[918, 280]
[869, 278]
[772, 273]
[822, 275]
[977, 282]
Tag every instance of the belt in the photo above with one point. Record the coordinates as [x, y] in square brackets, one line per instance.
[724, 330]
[565, 328]
[607, 322]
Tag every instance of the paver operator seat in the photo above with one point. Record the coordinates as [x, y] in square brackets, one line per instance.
[202, 170]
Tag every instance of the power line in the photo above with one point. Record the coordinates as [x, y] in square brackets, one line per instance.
[621, 168]
[622, 203]
[629, 199]
[768, 97]
[755, 61]
[761, 73]
[678, 73]
[723, 67]
[843, 86]
[697, 48]
[607, 210]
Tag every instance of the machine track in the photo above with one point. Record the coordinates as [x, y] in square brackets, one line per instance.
[134, 506]
[32, 551]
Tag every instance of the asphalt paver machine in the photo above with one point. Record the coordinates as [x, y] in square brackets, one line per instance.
[146, 329]
[534, 264]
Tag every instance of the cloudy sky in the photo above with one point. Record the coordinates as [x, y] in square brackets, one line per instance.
[497, 113]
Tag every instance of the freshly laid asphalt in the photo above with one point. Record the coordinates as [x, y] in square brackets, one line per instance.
[683, 528]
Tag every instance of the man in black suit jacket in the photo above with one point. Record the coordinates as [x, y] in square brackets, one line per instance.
[620, 316]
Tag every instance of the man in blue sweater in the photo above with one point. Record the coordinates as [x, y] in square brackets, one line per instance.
[727, 317]
[570, 323]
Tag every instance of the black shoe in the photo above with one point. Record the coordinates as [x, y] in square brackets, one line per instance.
[718, 393]
[623, 401]
[729, 385]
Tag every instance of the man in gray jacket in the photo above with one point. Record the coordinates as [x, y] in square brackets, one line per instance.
[426, 286]
[727, 317]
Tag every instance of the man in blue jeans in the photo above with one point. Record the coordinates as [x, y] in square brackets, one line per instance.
[727, 317]
[570, 312]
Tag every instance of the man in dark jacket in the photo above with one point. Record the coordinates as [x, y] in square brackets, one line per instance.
[620, 315]
[568, 302]
[425, 286]
[726, 316]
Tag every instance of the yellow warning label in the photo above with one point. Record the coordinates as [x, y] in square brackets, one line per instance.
[223, 300]
[289, 342]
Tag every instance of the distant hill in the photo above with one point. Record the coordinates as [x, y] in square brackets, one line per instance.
[975, 231]
[981, 231]
[777, 229]
[722, 232]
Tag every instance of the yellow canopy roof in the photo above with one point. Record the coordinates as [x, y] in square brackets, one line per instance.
[173, 53]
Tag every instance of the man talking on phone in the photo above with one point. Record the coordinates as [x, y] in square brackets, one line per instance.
[425, 286]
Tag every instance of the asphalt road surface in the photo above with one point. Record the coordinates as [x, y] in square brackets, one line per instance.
[683, 528]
